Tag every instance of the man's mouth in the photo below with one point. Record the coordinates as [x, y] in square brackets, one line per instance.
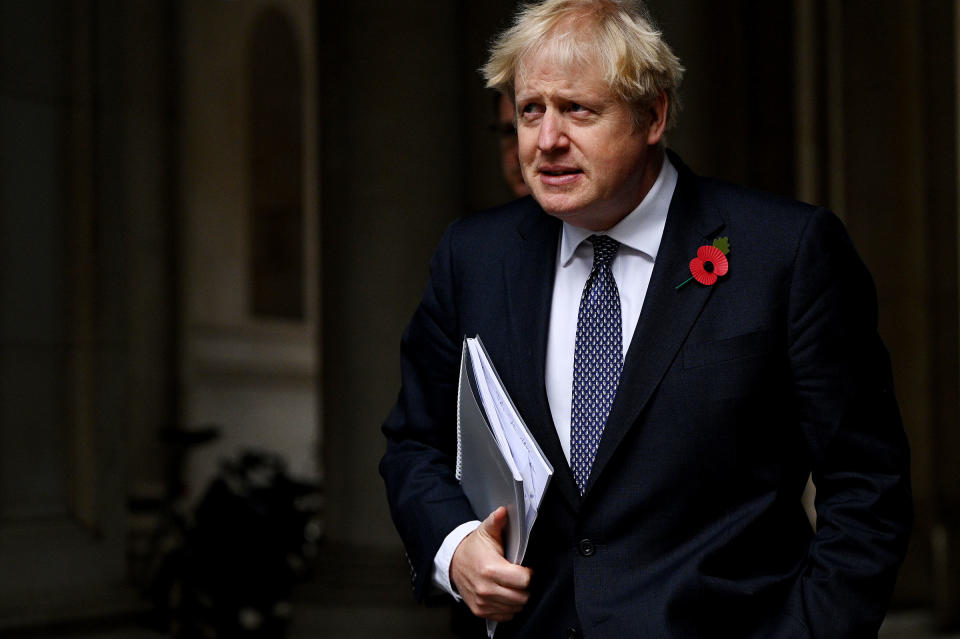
[559, 171]
[561, 177]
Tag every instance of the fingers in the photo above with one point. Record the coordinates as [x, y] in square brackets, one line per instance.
[490, 585]
[488, 594]
[496, 602]
[503, 573]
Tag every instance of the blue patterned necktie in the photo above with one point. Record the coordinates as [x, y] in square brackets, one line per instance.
[597, 359]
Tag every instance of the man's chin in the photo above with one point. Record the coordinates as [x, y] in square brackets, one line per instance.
[584, 217]
[558, 205]
[564, 213]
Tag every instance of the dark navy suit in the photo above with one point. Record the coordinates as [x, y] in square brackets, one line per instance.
[731, 394]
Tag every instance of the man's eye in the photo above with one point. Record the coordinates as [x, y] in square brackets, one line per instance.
[531, 109]
[577, 107]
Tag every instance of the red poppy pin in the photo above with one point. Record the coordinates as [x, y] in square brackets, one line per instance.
[710, 263]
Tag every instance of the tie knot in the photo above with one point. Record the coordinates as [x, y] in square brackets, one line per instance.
[604, 248]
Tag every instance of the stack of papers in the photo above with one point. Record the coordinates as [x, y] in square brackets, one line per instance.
[499, 463]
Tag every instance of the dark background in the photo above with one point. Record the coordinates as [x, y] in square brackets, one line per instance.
[216, 210]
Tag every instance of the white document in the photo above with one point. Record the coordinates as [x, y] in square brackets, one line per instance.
[499, 463]
[527, 459]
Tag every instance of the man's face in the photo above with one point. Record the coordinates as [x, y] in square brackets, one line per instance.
[581, 154]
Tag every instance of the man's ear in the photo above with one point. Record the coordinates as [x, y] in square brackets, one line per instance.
[658, 119]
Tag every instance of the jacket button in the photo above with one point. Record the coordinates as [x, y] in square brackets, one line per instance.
[587, 549]
[572, 633]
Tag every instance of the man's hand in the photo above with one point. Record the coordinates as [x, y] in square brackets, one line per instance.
[491, 586]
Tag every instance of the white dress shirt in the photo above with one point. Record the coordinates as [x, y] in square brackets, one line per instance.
[639, 234]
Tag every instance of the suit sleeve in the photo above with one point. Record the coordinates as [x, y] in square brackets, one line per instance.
[425, 498]
[851, 423]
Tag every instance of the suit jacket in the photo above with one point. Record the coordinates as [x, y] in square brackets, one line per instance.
[691, 524]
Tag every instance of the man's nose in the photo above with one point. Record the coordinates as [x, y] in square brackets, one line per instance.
[552, 133]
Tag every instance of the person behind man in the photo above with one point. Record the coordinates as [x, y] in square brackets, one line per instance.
[686, 353]
[506, 130]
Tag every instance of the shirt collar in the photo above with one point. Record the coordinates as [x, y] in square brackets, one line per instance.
[641, 229]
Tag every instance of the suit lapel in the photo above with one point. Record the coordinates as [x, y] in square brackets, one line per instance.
[529, 265]
[667, 315]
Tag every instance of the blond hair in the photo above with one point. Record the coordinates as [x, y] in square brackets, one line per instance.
[617, 34]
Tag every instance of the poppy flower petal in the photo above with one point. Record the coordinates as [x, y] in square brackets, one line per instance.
[706, 252]
[720, 264]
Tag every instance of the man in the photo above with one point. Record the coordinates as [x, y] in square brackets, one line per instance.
[686, 352]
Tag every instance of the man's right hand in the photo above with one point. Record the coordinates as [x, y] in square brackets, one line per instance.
[490, 585]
